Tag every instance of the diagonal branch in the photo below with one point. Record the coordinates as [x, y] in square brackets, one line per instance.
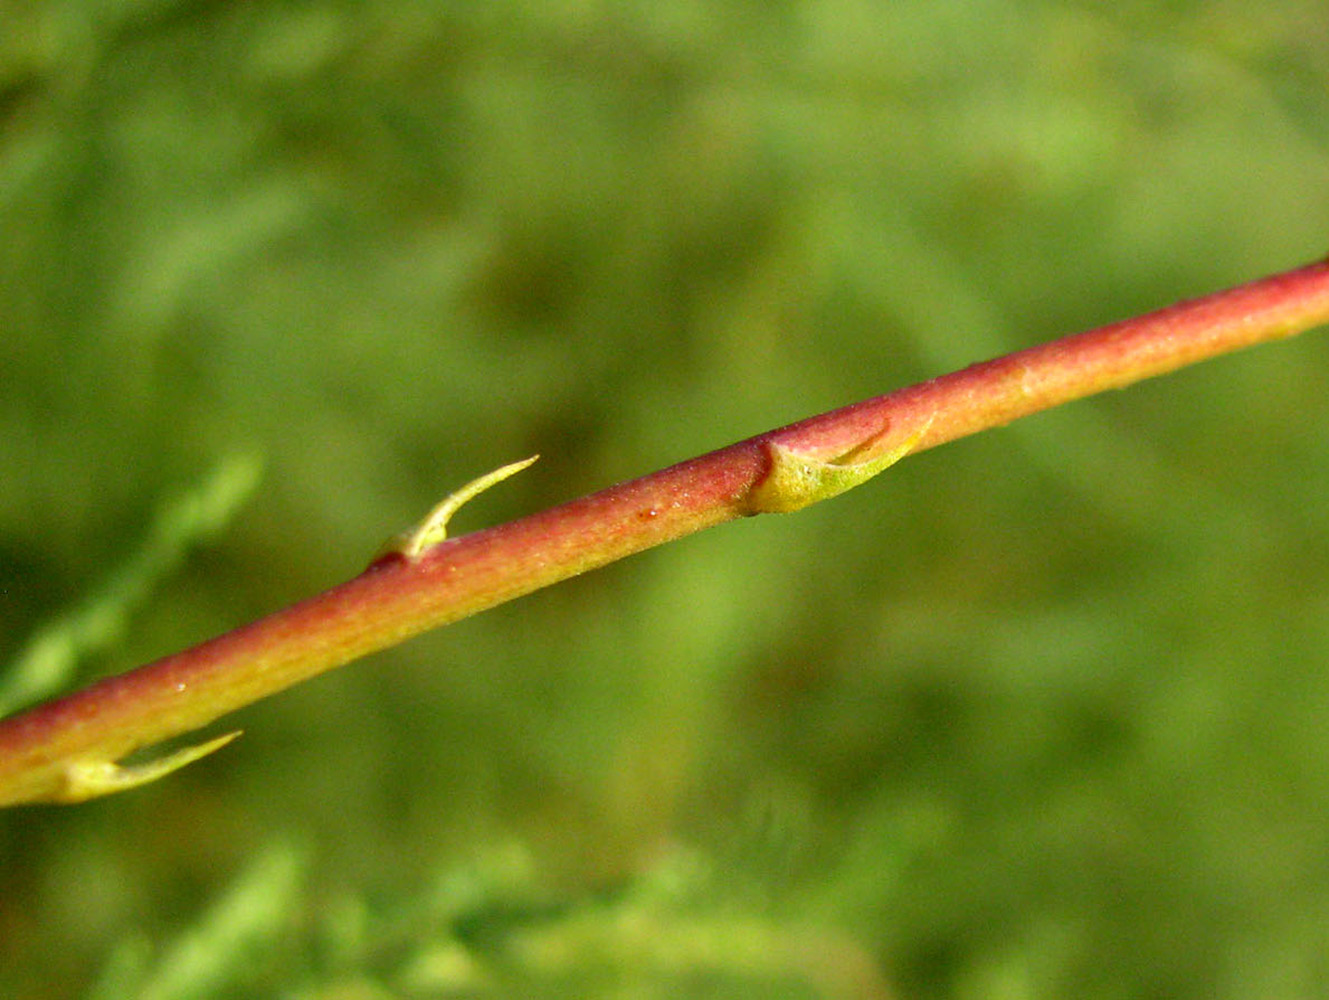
[68, 750]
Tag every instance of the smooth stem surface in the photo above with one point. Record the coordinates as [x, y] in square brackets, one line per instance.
[66, 750]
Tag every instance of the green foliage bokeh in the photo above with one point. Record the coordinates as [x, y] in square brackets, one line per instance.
[1039, 714]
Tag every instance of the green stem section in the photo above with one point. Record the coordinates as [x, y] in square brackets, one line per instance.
[67, 750]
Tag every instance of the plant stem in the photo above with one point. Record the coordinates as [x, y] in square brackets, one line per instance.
[67, 750]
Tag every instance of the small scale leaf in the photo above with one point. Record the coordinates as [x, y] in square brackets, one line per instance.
[434, 528]
[90, 779]
[796, 480]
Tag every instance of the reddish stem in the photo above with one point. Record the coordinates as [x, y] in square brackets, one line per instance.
[396, 598]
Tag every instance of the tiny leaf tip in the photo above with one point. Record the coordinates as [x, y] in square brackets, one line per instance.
[91, 779]
[434, 528]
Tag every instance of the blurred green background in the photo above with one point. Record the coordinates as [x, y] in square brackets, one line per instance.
[1039, 714]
